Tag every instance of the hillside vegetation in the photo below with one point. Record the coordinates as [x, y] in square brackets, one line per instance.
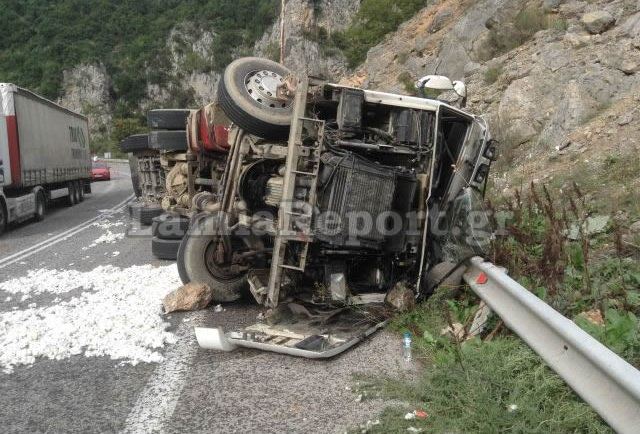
[41, 39]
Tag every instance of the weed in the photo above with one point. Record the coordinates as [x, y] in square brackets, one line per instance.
[492, 74]
[526, 23]
[478, 386]
[407, 83]
[402, 57]
[619, 332]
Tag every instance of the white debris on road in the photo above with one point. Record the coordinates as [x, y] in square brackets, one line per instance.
[118, 315]
[106, 224]
[106, 238]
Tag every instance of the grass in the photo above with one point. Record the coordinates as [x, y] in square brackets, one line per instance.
[494, 382]
[480, 386]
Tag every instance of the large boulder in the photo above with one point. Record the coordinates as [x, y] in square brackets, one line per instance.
[192, 296]
[598, 21]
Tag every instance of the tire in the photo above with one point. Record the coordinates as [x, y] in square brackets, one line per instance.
[167, 119]
[192, 265]
[41, 207]
[80, 188]
[3, 218]
[145, 213]
[136, 142]
[444, 275]
[169, 227]
[168, 140]
[135, 175]
[73, 194]
[165, 249]
[234, 97]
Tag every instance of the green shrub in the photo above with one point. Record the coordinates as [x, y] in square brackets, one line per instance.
[374, 20]
[526, 23]
[492, 74]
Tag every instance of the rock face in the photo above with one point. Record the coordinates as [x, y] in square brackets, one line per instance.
[307, 25]
[539, 71]
[85, 89]
[598, 21]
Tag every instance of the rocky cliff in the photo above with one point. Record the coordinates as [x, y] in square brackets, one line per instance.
[558, 80]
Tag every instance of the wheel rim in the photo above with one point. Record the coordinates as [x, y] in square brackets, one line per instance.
[262, 87]
[216, 263]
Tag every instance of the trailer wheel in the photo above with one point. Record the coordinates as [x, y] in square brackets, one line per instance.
[136, 142]
[169, 227]
[247, 94]
[135, 175]
[80, 188]
[73, 193]
[198, 262]
[168, 140]
[165, 249]
[40, 207]
[167, 119]
[3, 217]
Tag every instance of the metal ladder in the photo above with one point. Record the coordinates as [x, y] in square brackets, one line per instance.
[294, 231]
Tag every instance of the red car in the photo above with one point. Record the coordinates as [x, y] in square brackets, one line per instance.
[100, 171]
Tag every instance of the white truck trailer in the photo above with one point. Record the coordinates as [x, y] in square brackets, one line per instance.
[44, 155]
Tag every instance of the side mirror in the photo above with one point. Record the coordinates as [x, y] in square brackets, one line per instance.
[437, 82]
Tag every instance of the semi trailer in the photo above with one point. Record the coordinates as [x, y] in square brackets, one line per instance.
[44, 155]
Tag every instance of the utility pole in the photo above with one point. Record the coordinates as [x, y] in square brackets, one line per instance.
[282, 31]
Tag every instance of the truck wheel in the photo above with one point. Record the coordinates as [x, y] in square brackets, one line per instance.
[197, 262]
[73, 193]
[41, 206]
[169, 227]
[165, 249]
[145, 213]
[136, 142]
[168, 140]
[80, 188]
[135, 176]
[3, 218]
[247, 94]
[167, 119]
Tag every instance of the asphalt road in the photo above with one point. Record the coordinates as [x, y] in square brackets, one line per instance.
[191, 390]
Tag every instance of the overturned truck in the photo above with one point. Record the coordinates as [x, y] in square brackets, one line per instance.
[320, 200]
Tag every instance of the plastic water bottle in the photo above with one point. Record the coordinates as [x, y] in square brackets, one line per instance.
[406, 346]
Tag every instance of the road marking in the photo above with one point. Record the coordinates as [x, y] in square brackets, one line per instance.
[157, 401]
[25, 253]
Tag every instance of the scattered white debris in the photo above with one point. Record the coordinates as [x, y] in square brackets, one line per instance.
[117, 315]
[32, 305]
[218, 308]
[414, 429]
[512, 407]
[359, 398]
[410, 416]
[108, 238]
[7, 300]
[116, 253]
[106, 224]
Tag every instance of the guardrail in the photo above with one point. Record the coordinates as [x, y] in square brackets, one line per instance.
[603, 379]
